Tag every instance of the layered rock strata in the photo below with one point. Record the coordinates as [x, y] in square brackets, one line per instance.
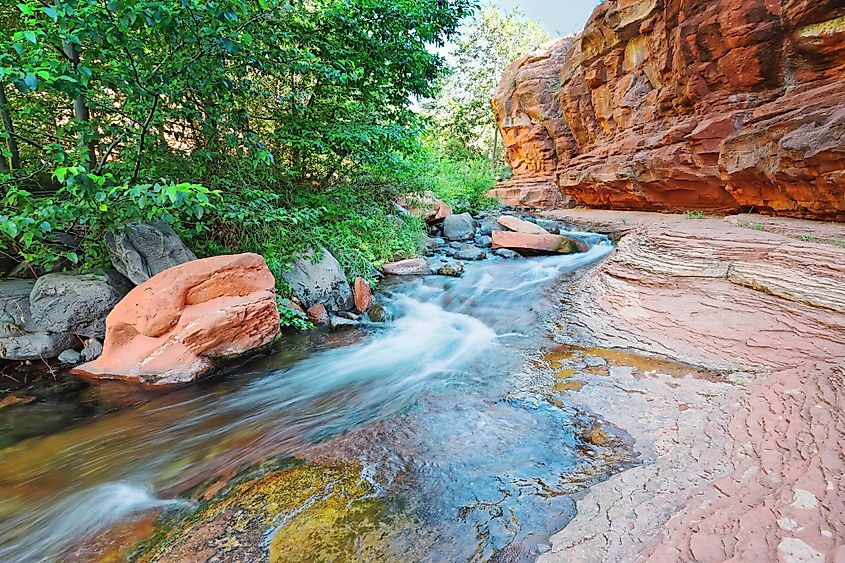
[716, 105]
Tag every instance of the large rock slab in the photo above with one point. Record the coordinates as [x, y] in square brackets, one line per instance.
[143, 250]
[459, 227]
[681, 105]
[76, 303]
[536, 244]
[516, 224]
[321, 282]
[180, 324]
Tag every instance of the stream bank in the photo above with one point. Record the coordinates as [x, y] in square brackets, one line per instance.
[741, 449]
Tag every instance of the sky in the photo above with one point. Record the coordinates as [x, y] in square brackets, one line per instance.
[558, 17]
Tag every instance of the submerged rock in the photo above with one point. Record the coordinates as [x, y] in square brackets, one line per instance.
[70, 357]
[321, 282]
[143, 250]
[336, 322]
[180, 324]
[506, 253]
[459, 227]
[76, 303]
[447, 267]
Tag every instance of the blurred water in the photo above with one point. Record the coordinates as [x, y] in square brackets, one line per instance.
[482, 464]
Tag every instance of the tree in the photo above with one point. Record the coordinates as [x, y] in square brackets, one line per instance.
[461, 109]
[132, 105]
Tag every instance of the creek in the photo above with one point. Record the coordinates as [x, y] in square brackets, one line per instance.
[454, 454]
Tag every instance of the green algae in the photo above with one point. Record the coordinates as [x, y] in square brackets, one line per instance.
[293, 512]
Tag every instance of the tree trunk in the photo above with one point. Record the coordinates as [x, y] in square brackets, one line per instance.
[11, 142]
[80, 109]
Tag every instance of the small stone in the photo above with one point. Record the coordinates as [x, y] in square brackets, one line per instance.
[12, 400]
[317, 314]
[456, 245]
[505, 253]
[449, 268]
[470, 252]
[377, 314]
[92, 350]
[70, 357]
[349, 315]
[488, 225]
[339, 323]
[484, 241]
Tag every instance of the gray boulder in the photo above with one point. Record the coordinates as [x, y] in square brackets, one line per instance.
[92, 350]
[447, 267]
[459, 227]
[21, 338]
[488, 225]
[143, 250]
[470, 252]
[484, 241]
[323, 282]
[77, 303]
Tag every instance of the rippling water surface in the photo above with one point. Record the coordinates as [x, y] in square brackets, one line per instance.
[425, 404]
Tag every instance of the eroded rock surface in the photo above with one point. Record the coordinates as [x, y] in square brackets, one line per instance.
[684, 104]
[177, 326]
[745, 466]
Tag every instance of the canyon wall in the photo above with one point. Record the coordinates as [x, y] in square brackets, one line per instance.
[673, 105]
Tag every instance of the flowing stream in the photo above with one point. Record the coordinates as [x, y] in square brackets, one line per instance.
[426, 406]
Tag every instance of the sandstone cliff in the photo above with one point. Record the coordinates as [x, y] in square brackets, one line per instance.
[718, 105]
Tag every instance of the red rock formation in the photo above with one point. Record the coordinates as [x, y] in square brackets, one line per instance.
[516, 224]
[173, 328]
[527, 243]
[716, 105]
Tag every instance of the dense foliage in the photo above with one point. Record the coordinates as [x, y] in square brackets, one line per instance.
[250, 125]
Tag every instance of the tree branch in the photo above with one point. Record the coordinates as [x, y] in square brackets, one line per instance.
[144, 130]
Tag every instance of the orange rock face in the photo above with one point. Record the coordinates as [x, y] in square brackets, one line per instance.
[716, 105]
[175, 327]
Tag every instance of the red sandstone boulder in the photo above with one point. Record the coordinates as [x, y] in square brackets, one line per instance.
[527, 243]
[363, 295]
[715, 105]
[426, 206]
[518, 225]
[318, 315]
[531, 192]
[410, 267]
[177, 326]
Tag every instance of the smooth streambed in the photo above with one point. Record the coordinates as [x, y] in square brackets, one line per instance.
[484, 468]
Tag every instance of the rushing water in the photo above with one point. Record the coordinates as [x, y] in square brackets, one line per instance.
[484, 467]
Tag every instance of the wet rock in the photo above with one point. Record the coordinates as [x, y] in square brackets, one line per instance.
[363, 295]
[92, 350]
[337, 322]
[321, 282]
[470, 252]
[70, 357]
[484, 241]
[459, 227]
[456, 245]
[349, 315]
[180, 324]
[143, 250]
[447, 267]
[549, 226]
[376, 314]
[516, 224]
[536, 244]
[76, 303]
[317, 314]
[488, 225]
[450, 252]
[410, 267]
[506, 253]
[12, 400]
